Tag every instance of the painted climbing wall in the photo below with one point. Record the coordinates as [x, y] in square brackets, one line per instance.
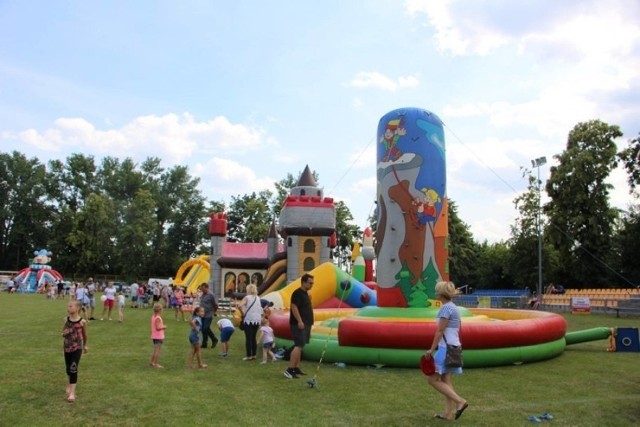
[412, 232]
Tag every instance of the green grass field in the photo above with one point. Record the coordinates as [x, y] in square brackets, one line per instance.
[586, 386]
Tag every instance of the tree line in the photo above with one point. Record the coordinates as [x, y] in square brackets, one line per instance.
[124, 219]
[132, 220]
[586, 243]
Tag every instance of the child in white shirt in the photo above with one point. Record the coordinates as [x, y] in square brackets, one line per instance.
[120, 307]
[265, 337]
[226, 330]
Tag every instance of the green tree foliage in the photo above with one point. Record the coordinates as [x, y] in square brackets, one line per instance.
[120, 180]
[347, 233]
[115, 218]
[579, 213]
[135, 236]
[630, 158]
[627, 238]
[463, 251]
[522, 263]
[283, 187]
[181, 226]
[91, 236]
[73, 181]
[523, 260]
[493, 266]
[626, 250]
[70, 184]
[24, 209]
[249, 217]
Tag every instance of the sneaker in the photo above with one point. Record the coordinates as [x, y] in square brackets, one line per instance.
[264, 362]
[290, 373]
[247, 358]
[223, 354]
[298, 371]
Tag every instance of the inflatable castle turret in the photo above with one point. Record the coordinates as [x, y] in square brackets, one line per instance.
[218, 234]
[273, 246]
[308, 224]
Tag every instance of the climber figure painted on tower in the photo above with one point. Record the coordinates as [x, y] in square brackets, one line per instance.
[392, 133]
[426, 206]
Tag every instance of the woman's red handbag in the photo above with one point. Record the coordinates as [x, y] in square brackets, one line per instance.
[427, 365]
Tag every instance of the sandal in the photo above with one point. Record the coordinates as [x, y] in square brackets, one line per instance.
[441, 417]
[461, 410]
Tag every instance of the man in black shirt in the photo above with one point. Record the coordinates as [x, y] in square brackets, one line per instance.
[300, 321]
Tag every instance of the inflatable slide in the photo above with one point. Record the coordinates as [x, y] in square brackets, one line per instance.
[192, 273]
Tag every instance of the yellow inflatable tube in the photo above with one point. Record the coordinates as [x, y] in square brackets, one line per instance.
[325, 287]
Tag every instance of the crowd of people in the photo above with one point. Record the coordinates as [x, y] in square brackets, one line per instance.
[201, 308]
[255, 325]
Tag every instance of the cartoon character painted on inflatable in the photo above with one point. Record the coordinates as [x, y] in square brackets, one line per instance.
[393, 131]
[426, 207]
[32, 278]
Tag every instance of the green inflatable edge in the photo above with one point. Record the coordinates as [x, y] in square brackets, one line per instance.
[327, 348]
[585, 335]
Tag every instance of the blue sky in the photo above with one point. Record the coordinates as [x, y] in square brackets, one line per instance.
[246, 92]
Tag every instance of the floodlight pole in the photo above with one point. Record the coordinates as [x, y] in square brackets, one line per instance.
[540, 161]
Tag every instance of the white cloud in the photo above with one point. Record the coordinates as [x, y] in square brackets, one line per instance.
[357, 103]
[364, 159]
[367, 185]
[551, 113]
[171, 136]
[228, 177]
[454, 35]
[286, 159]
[491, 153]
[553, 29]
[579, 57]
[374, 79]
[606, 32]
[490, 229]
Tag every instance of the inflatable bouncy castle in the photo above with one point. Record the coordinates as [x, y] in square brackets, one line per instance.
[39, 272]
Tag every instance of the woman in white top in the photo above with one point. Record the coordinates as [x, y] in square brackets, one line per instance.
[251, 317]
[109, 301]
[447, 332]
